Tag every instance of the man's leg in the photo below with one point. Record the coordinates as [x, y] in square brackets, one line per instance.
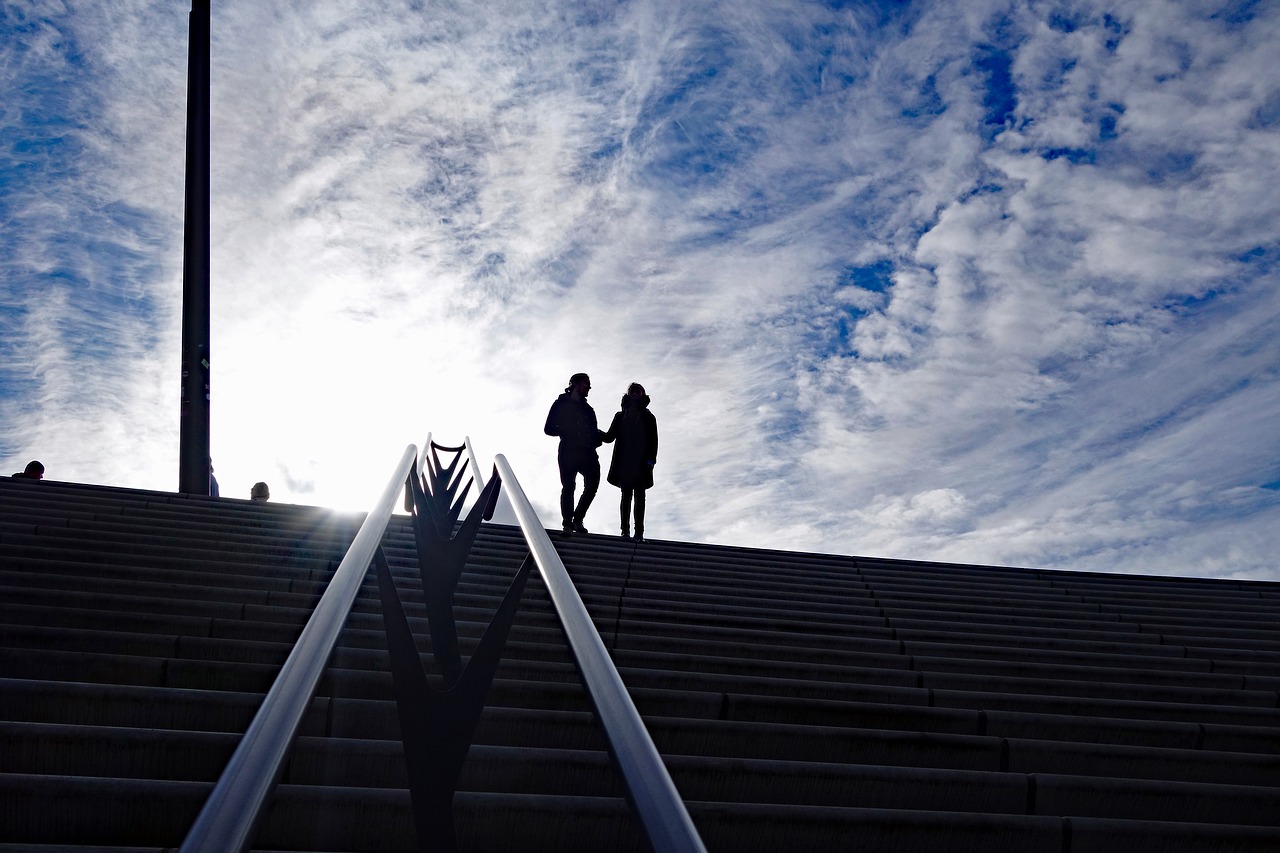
[590, 469]
[568, 477]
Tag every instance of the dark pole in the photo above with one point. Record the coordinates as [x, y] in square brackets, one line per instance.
[193, 426]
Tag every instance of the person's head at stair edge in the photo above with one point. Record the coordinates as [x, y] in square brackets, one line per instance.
[33, 471]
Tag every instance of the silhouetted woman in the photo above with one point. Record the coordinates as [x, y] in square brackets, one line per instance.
[634, 432]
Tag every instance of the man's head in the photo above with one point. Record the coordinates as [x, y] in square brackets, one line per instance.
[635, 389]
[33, 471]
[580, 384]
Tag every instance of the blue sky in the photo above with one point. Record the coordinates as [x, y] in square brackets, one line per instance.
[988, 282]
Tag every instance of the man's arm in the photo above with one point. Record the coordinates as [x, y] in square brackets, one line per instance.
[553, 420]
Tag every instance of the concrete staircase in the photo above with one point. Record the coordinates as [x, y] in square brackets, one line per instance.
[801, 701]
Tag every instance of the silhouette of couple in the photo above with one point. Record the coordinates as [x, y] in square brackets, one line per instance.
[634, 432]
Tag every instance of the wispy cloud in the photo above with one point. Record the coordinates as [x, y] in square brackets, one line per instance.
[88, 241]
[982, 282]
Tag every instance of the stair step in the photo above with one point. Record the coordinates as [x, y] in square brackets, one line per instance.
[336, 819]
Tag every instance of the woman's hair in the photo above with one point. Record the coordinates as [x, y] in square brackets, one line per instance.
[634, 387]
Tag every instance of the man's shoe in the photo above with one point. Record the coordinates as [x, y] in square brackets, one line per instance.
[567, 531]
[578, 527]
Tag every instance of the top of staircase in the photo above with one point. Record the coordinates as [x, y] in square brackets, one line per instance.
[824, 701]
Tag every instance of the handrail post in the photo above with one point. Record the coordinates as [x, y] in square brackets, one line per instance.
[649, 786]
[230, 816]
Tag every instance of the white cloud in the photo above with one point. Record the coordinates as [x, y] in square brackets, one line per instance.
[870, 321]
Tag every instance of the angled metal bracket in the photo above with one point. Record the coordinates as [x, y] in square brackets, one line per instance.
[437, 726]
[441, 559]
[441, 484]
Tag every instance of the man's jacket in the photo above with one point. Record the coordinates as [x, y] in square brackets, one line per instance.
[574, 421]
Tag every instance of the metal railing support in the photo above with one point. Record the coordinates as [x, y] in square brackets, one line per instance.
[437, 726]
[230, 816]
[650, 789]
[442, 554]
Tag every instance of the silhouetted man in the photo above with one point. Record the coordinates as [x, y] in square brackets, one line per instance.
[574, 421]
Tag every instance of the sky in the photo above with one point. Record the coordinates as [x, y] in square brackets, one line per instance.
[985, 282]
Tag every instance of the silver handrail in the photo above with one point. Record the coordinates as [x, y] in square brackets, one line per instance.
[652, 793]
[475, 464]
[230, 816]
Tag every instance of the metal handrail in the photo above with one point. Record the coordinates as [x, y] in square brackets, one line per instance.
[230, 816]
[650, 789]
[475, 464]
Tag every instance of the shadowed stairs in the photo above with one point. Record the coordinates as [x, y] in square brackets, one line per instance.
[800, 701]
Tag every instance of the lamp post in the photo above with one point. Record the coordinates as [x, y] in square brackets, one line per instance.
[193, 425]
